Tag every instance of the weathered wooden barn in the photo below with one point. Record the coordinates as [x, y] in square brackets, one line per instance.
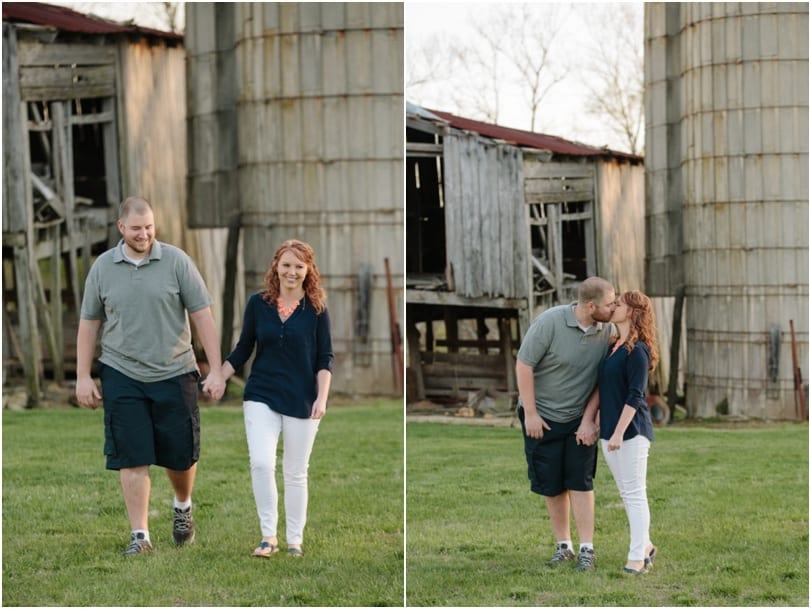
[284, 121]
[727, 198]
[92, 111]
[295, 130]
[501, 224]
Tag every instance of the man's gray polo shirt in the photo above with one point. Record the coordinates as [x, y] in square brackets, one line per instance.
[564, 359]
[145, 329]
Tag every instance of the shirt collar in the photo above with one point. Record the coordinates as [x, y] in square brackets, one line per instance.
[154, 254]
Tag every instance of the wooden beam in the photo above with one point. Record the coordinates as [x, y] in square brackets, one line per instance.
[46, 321]
[56, 303]
[453, 299]
[63, 170]
[415, 149]
[92, 119]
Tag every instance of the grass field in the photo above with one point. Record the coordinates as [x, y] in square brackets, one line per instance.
[729, 511]
[65, 526]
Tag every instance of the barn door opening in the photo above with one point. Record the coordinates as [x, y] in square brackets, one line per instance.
[426, 256]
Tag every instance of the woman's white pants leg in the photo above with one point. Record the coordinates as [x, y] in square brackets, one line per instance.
[263, 427]
[629, 466]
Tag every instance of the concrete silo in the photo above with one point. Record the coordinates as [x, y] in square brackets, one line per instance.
[727, 195]
[296, 123]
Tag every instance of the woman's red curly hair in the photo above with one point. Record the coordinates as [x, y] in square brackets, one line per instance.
[643, 324]
[312, 281]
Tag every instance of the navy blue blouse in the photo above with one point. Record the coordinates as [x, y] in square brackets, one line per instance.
[289, 355]
[623, 379]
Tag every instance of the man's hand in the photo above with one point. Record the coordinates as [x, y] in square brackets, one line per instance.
[214, 385]
[534, 425]
[587, 433]
[87, 393]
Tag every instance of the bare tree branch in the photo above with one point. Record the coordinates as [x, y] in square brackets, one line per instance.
[614, 75]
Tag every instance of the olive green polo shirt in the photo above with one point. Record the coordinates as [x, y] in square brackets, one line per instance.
[145, 328]
[564, 359]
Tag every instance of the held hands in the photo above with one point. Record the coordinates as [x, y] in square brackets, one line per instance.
[319, 409]
[87, 393]
[214, 385]
[587, 433]
[534, 425]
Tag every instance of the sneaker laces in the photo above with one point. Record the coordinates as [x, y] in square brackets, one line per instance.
[137, 542]
[586, 558]
[183, 520]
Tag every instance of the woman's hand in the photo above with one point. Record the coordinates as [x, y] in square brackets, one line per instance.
[587, 433]
[615, 442]
[319, 409]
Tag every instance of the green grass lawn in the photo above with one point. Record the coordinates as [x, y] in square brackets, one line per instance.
[729, 510]
[65, 526]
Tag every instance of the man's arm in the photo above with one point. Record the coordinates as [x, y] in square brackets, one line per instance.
[87, 393]
[525, 379]
[203, 320]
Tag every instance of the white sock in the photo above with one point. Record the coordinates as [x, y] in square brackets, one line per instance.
[144, 532]
[587, 546]
[182, 505]
[565, 544]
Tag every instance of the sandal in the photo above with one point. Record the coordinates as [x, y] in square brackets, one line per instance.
[265, 549]
[296, 552]
[649, 558]
[634, 571]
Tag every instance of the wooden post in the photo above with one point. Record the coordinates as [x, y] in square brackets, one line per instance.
[799, 396]
[675, 343]
[555, 248]
[414, 359]
[394, 329]
[505, 336]
[54, 348]
[229, 287]
[56, 304]
[29, 331]
[63, 170]
[18, 212]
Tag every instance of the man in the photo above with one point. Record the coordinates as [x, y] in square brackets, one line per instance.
[140, 292]
[556, 372]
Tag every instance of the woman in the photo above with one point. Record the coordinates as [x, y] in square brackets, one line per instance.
[626, 429]
[286, 391]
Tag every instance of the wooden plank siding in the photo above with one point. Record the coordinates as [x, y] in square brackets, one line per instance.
[485, 218]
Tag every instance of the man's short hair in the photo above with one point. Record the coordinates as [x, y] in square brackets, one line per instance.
[138, 205]
[594, 290]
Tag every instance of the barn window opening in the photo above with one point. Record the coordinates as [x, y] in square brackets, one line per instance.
[425, 213]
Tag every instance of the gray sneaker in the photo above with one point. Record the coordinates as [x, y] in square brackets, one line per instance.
[139, 544]
[585, 562]
[183, 531]
[562, 555]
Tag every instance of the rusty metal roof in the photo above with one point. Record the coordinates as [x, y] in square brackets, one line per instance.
[530, 139]
[68, 20]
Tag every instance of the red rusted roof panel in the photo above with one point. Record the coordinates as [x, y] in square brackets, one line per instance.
[530, 139]
[65, 19]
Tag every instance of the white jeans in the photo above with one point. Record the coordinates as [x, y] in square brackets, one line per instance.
[629, 466]
[262, 428]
